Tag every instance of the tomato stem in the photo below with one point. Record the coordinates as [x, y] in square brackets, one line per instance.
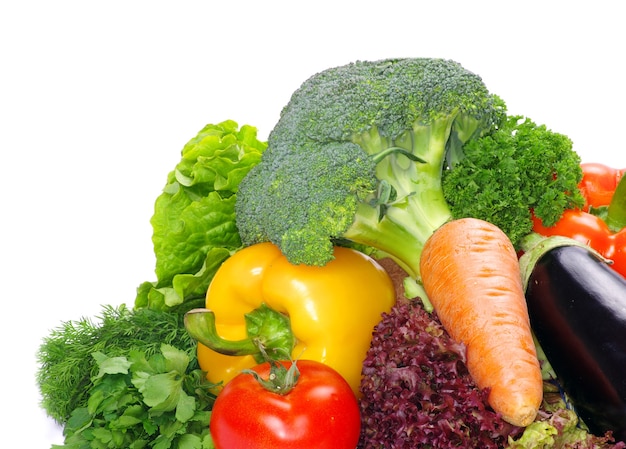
[281, 379]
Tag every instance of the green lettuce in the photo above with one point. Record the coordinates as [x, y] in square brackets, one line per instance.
[558, 427]
[193, 224]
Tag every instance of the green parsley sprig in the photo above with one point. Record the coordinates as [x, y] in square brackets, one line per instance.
[139, 401]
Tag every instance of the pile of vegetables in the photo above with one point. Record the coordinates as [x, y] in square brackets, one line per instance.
[368, 251]
[194, 232]
[417, 392]
[332, 311]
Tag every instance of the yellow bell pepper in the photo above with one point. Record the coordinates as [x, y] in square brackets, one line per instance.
[302, 312]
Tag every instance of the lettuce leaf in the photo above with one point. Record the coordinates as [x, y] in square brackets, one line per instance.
[193, 223]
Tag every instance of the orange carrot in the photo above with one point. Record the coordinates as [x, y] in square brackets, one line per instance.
[471, 275]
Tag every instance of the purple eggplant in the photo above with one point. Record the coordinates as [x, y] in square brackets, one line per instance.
[577, 309]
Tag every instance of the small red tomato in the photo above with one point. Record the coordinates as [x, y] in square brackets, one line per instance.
[578, 225]
[598, 183]
[320, 411]
[618, 252]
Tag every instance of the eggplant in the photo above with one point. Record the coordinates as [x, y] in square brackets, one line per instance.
[577, 309]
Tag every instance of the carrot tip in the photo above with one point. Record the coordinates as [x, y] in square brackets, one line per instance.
[524, 416]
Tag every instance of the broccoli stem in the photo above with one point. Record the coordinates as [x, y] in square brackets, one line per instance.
[420, 206]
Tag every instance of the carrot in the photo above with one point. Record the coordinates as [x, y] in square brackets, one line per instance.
[471, 275]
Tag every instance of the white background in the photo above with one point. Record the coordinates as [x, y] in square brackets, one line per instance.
[98, 98]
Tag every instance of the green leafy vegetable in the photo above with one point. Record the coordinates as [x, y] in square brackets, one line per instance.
[558, 427]
[92, 372]
[193, 223]
[517, 168]
[140, 401]
[67, 367]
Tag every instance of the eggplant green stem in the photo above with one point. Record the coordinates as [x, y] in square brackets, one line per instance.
[535, 246]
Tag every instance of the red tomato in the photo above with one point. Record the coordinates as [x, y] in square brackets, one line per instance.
[618, 253]
[598, 183]
[581, 226]
[320, 412]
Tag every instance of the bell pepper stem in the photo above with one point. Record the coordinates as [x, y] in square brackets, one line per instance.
[269, 334]
[616, 214]
[200, 324]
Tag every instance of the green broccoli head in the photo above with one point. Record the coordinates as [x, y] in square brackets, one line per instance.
[301, 199]
[358, 154]
[387, 98]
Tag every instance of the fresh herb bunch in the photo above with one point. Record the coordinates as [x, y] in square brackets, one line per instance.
[143, 401]
[66, 364]
[521, 166]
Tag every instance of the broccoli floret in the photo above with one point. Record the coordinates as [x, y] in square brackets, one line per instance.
[519, 169]
[358, 154]
[282, 200]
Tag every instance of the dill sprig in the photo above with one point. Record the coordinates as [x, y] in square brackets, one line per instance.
[66, 364]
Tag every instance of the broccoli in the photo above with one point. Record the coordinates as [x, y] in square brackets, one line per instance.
[358, 157]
